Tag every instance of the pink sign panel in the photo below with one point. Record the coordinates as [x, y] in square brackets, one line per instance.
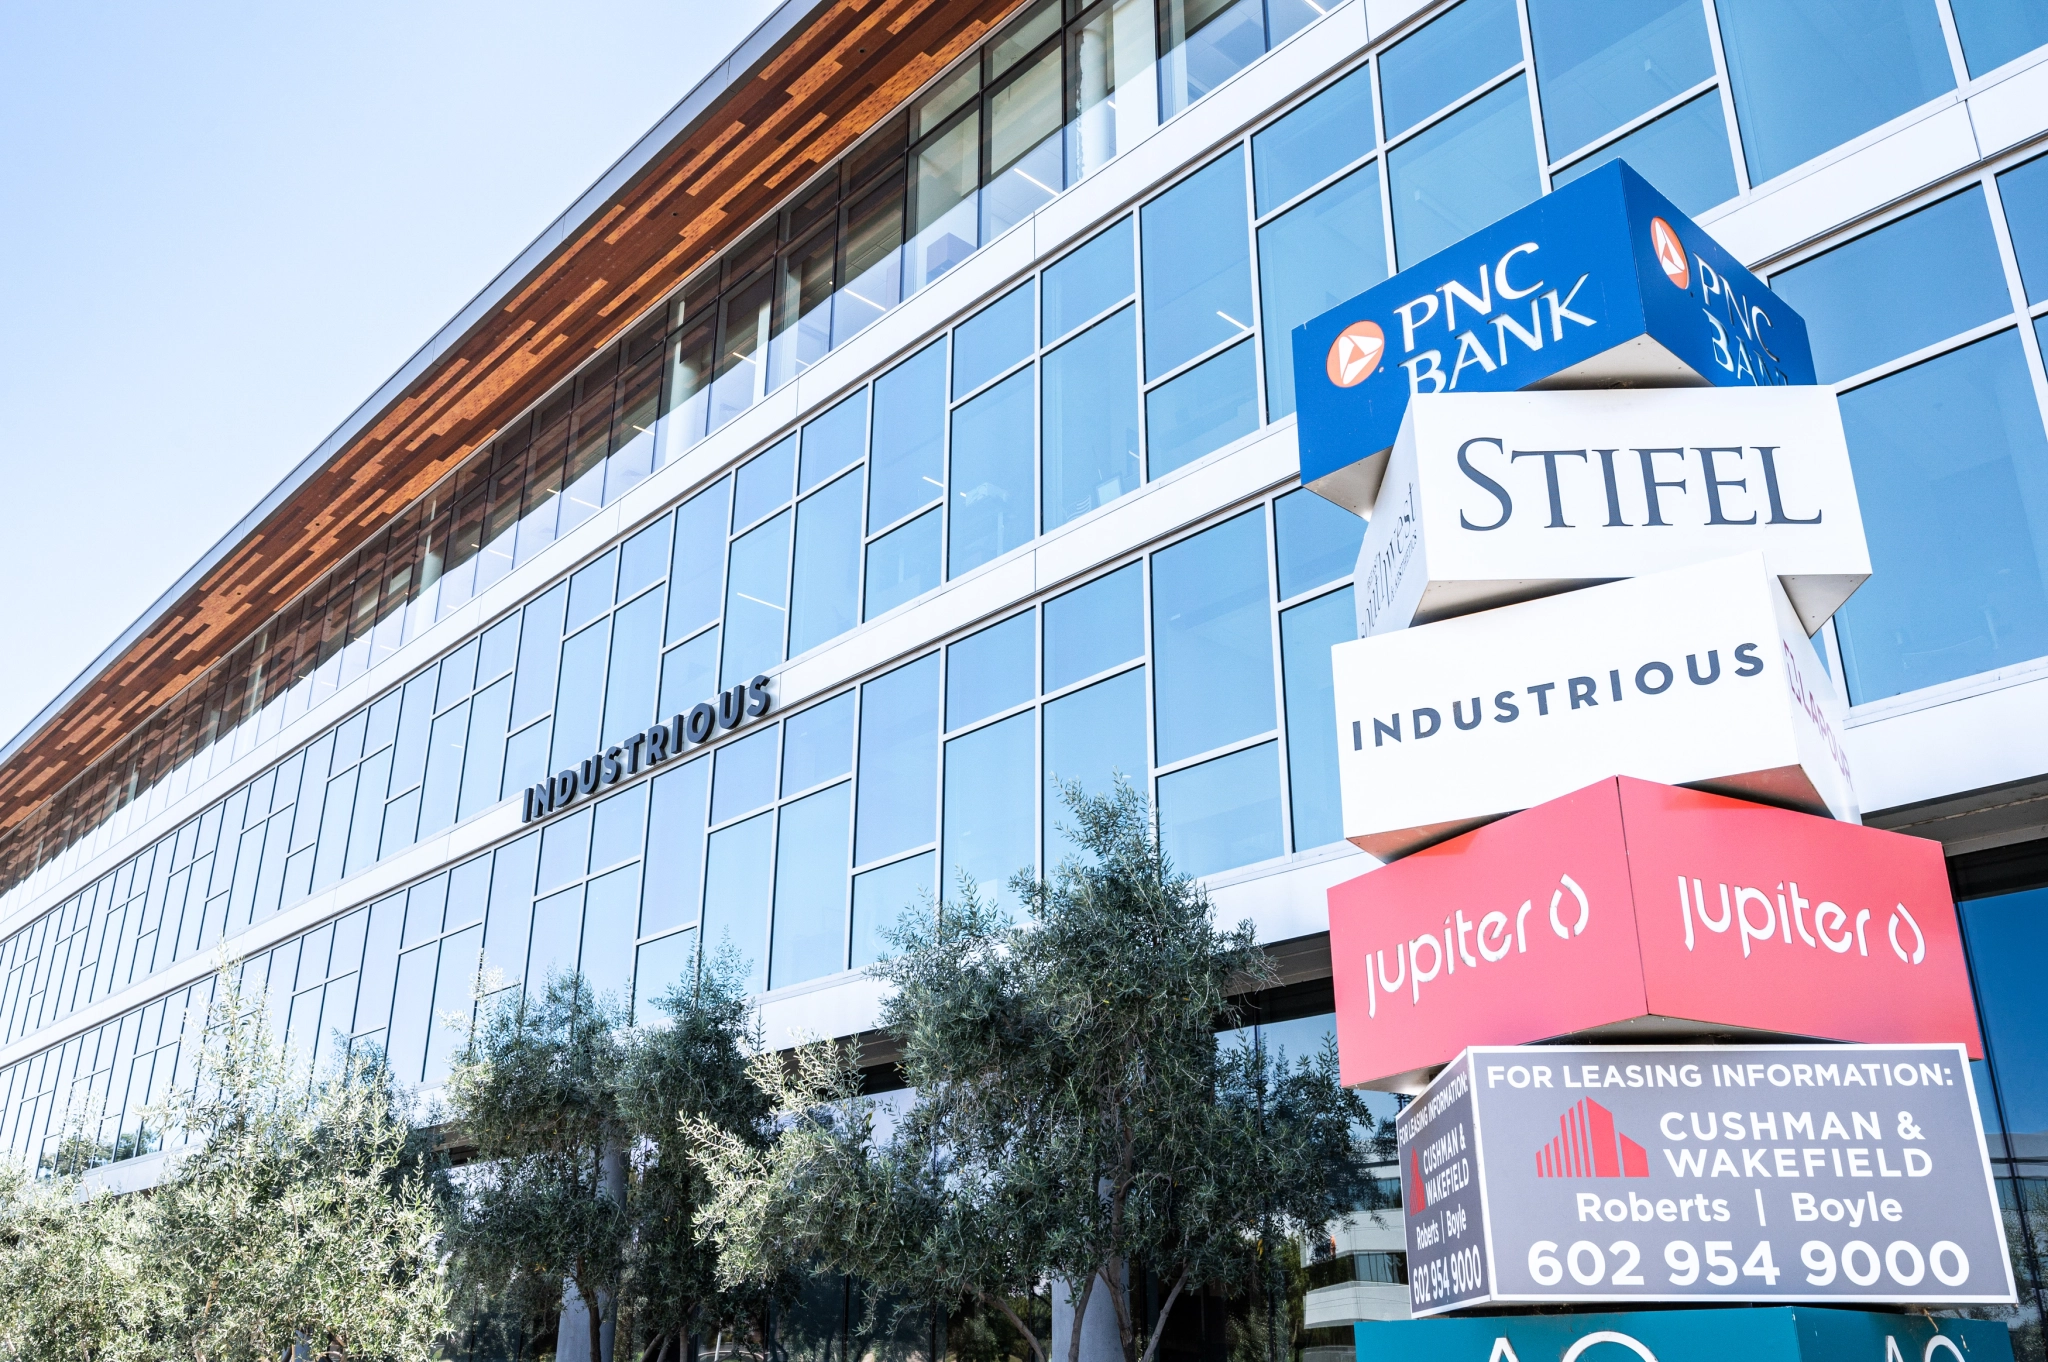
[1637, 910]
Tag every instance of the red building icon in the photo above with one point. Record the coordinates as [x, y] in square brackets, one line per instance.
[1588, 1146]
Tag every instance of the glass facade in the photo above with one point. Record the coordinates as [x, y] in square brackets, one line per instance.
[1192, 660]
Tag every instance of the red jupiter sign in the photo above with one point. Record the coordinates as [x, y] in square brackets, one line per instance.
[1630, 909]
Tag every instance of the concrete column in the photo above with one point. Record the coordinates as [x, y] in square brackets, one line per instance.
[1099, 1341]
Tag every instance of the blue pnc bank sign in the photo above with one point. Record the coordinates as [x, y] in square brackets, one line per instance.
[1601, 284]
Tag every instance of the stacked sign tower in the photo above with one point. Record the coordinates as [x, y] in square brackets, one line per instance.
[1679, 1030]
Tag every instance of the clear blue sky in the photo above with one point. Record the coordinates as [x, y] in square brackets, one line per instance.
[223, 225]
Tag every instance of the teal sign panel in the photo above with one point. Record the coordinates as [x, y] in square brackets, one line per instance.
[1781, 1334]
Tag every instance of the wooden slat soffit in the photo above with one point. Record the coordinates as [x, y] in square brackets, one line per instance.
[839, 74]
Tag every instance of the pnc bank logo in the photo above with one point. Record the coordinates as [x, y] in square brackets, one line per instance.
[1670, 253]
[1588, 1146]
[1355, 354]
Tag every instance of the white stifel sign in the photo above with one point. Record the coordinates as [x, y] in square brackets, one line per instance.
[1492, 498]
[1697, 676]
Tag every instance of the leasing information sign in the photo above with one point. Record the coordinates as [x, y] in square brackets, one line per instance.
[1778, 1173]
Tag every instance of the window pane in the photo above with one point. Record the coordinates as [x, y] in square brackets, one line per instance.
[1024, 113]
[903, 564]
[1023, 34]
[511, 910]
[675, 847]
[899, 739]
[1811, 74]
[590, 595]
[763, 484]
[992, 340]
[642, 562]
[991, 477]
[557, 933]
[825, 593]
[1224, 813]
[1307, 633]
[1448, 57]
[610, 904]
[1202, 410]
[564, 851]
[990, 671]
[933, 108]
[1090, 423]
[1090, 737]
[406, 1049]
[698, 569]
[809, 937]
[736, 874]
[834, 440]
[635, 669]
[1318, 541]
[1952, 473]
[1198, 279]
[454, 986]
[1600, 63]
[540, 634]
[1314, 142]
[659, 968]
[755, 594]
[579, 696]
[1207, 42]
[881, 897]
[1095, 627]
[1684, 155]
[1321, 253]
[1941, 272]
[1467, 171]
[745, 779]
[2024, 191]
[1996, 31]
[945, 229]
[445, 746]
[817, 744]
[2005, 938]
[990, 778]
[1212, 638]
[616, 827]
[910, 435]
[484, 762]
[1089, 281]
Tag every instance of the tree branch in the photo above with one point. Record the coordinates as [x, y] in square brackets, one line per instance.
[1165, 1309]
[1080, 1313]
[1002, 1304]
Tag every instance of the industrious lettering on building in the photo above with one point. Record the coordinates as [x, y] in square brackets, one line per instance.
[643, 750]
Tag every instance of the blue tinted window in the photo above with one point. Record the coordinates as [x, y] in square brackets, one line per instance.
[557, 931]
[511, 909]
[1600, 63]
[675, 847]
[590, 595]
[1448, 57]
[881, 897]
[809, 937]
[564, 851]
[455, 978]
[697, 572]
[1198, 277]
[1212, 638]
[1307, 633]
[1684, 154]
[644, 559]
[744, 776]
[903, 564]
[1811, 74]
[483, 763]
[1319, 254]
[1090, 419]
[1941, 275]
[1091, 737]
[737, 870]
[817, 744]
[834, 440]
[899, 739]
[755, 591]
[2006, 938]
[1094, 628]
[825, 593]
[1318, 541]
[1996, 31]
[988, 672]
[992, 477]
[610, 905]
[1952, 474]
[616, 826]
[458, 678]
[991, 780]
[689, 674]
[636, 646]
[1313, 142]
[1224, 813]
[1202, 410]
[1474, 167]
[540, 648]
[500, 643]
[660, 967]
[1088, 281]
[908, 456]
[1207, 42]
[578, 698]
[993, 339]
[2024, 191]
[763, 484]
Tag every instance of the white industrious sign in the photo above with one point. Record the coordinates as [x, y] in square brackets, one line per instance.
[1492, 498]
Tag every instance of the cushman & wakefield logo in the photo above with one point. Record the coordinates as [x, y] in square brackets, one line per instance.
[700, 725]
[1588, 1146]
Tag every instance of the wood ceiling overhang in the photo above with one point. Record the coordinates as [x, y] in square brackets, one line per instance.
[797, 93]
